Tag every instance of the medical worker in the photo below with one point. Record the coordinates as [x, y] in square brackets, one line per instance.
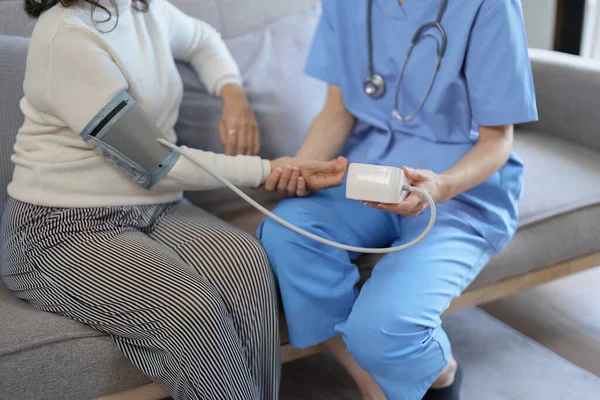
[454, 140]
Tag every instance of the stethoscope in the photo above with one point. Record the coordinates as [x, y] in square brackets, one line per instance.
[374, 85]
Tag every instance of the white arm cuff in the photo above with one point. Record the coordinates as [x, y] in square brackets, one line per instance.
[266, 170]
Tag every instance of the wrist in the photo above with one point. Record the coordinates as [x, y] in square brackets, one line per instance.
[233, 92]
[448, 184]
[280, 163]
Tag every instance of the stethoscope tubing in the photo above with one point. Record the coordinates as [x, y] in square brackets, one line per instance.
[376, 84]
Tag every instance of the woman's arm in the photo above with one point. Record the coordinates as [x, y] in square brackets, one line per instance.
[325, 138]
[199, 44]
[78, 91]
[489, 154]
[238, 128]
[330, 129]
[250, 171]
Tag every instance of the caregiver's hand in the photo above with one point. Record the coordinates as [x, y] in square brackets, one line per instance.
[414, 204]
[298, 177]
[238, 129]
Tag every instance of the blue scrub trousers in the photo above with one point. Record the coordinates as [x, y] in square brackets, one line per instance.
[392, 326]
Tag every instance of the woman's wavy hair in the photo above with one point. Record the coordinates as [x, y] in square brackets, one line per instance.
[34, 8]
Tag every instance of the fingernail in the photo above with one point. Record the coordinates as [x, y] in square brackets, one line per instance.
[278, 170]
[288, 167]
[295, 168]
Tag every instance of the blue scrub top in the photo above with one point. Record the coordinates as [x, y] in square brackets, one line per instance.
[485, 79]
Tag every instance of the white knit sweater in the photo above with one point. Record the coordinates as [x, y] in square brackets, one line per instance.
[75, 66]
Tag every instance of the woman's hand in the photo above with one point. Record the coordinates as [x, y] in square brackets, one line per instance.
[298, 177]
[238, 129]
[414, 204]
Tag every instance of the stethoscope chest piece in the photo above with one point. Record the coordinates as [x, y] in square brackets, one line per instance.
[374, 86]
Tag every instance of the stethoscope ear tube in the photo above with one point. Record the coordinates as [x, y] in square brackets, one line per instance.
[373, 85]
[442, 42]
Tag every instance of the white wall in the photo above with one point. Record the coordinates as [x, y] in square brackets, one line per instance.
[590, 46]
[540, 22]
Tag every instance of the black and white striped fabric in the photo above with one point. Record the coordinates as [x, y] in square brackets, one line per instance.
[189, 299]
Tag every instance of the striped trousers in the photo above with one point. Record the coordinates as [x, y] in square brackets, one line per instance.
[187, 298]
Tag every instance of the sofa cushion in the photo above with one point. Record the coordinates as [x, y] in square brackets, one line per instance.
[560, 208]
[46, 356]
[13, 54]
[560, 176]
[573, 114]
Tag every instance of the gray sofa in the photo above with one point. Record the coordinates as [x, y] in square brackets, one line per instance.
[44, 356]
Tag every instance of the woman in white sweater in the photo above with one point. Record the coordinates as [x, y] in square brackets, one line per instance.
[189, 299]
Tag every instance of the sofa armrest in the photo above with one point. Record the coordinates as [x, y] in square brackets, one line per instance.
[568, 97]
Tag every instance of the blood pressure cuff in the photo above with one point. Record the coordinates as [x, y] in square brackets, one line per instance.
[125, 137]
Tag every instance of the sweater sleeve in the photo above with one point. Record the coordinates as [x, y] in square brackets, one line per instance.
[248, 171]
[82, 78]
[199, 44]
